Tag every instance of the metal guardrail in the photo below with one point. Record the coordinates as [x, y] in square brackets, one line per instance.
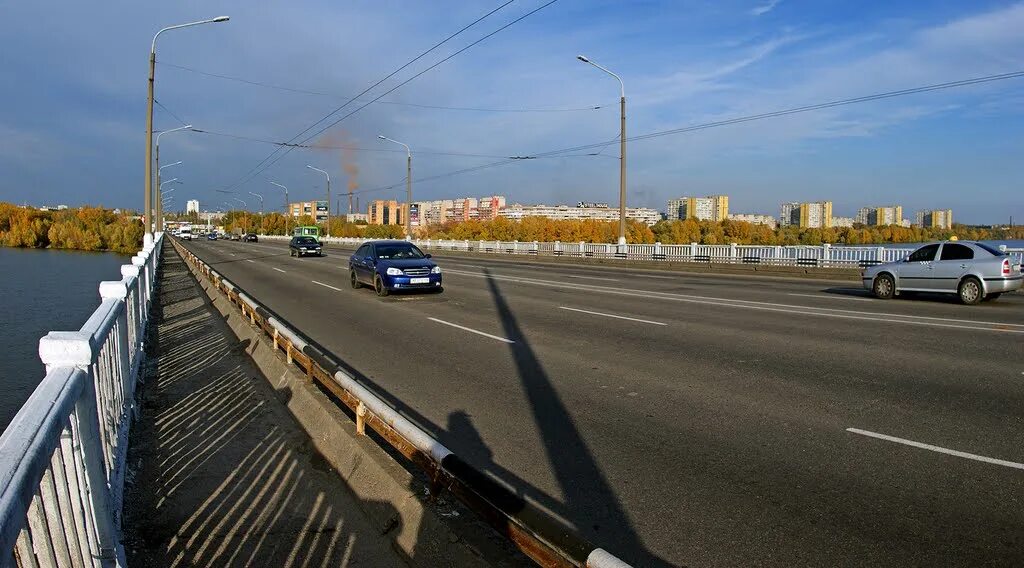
[547, 540]
[62, 457]
[823, 256]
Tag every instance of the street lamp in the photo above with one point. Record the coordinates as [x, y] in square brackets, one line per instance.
[287, 207]
[149, 122]
[159, 209]
[245, 218]
[408, 186]
[261, 207]
[622, 150]
[327, 232]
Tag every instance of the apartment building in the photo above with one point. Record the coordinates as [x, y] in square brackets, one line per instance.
[808, 215]
[579, 213]
[710, 208]
[754, 218]
[935, 219]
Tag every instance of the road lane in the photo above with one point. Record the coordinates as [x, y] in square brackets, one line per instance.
[724, 426]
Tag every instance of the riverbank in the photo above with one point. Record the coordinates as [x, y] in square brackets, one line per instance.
[91, 229]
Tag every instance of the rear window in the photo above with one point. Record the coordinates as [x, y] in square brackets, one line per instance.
[305, 241]
[991, 249]
[952, 251]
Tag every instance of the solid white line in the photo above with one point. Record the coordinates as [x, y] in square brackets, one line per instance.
[592, 278]
[277, 269]
[250, 260]
[611, 315]
[831, 297]
[472, 330]
[325, 285]
[939, 449]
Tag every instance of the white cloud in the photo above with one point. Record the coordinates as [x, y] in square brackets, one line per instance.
[765, 8]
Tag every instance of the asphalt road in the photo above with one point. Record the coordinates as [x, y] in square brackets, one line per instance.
[682, 419]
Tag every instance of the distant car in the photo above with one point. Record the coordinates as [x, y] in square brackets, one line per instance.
[211, 236]
[973, 271]
[301, 246]
[389, 266]
[235, 237]
[251, 238]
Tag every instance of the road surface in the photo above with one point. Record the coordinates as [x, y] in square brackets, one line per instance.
[682, 419]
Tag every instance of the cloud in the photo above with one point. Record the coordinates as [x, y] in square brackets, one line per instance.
[765, 8]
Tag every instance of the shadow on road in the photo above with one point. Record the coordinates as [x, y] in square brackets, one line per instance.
[590, 501]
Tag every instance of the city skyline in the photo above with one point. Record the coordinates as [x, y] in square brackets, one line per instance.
[956, 148]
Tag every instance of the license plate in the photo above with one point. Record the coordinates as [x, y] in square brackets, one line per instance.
[419, 280]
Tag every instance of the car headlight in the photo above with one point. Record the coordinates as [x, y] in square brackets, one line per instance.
[435, 270]
[394, 272]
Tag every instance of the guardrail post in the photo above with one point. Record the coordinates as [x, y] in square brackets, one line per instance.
[880, 254]
[129, 271]
[778, 254]
[583, 250]
[733, 252]
[693, 250]
[826, 255]
[557, 248]
[73, 349]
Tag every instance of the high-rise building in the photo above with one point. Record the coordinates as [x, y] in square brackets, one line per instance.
[711, 208]
[192, 206]
[811, 215]
[315, 209]
[935, 219]
[462, 209]
[381, 212]
[842, 222]
[880, 216]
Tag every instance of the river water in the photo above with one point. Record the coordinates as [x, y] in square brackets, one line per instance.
[42, 291]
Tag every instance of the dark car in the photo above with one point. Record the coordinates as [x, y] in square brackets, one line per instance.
[301, 246]
[390, 266]
[251, 238]
[211, 236]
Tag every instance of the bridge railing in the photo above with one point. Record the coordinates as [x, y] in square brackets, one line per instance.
[826, 255]
[62, 457]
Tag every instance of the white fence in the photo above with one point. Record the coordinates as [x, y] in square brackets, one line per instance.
[62, 458]
[825, 256]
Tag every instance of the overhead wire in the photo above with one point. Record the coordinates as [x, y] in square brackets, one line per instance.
[256, 170]
[564, 152]
[397, 103]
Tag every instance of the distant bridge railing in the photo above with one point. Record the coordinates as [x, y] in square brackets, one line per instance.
[825, 256]
[62, 458]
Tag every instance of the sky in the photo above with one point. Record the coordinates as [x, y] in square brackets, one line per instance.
[72, 106]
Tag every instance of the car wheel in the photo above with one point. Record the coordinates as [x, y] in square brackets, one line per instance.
[379, 287]
[993, 296]
[884, 287]
[291, 252]
[970, 291]
[355, 280]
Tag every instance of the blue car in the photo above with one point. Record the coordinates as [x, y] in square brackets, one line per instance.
[389, 266]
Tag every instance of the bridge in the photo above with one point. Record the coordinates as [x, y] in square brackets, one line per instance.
[595, 409]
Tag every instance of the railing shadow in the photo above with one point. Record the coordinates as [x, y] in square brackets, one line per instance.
[220, 479]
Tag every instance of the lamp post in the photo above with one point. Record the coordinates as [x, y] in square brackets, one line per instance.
[148, 238]
[245, 213]
[408, 186]
[261, 207]
[159, 208]
[287, 207]
[622, 150]
[327, 231]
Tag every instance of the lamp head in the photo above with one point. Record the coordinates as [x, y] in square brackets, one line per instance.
[382, 137]
[221, 19]
[583, 58]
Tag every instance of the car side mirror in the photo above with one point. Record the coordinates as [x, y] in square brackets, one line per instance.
[428, 255]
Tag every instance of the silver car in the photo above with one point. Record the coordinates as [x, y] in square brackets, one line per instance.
[973, 271]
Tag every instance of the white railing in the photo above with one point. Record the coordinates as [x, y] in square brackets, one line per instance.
[62, 458]
[836, 256]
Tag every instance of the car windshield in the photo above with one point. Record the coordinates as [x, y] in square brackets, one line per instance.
[398, 251]
[305, 241]
[991, 249]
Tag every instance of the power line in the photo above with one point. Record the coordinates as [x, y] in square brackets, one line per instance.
[176, 117]
[410, 79]
[256, 170]
[727, 122]
[397, 103]
[332, 147]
